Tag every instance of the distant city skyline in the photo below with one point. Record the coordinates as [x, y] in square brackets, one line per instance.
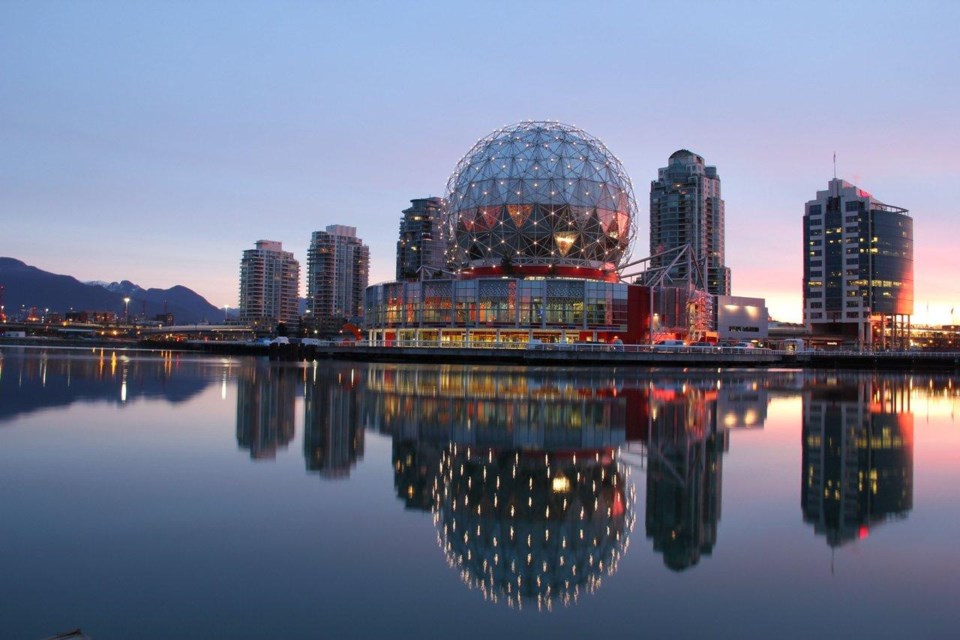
[155, 142]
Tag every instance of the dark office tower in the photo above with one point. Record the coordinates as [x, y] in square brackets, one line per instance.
[857, 267]
[338, 265]
[684, 478]
[269, 286]
[857, 457]
[266, 396]
[420, 249]
[332, 431]
[686, 208]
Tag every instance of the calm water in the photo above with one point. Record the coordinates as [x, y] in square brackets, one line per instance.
[168, 496]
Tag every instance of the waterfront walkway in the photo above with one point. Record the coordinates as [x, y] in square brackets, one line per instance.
[539, 354]
[591, 354]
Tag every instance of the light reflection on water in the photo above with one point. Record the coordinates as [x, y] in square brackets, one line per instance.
[531, 482]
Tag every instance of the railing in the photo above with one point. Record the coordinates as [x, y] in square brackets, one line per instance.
[877, 354]
[606, 347]
[583, 347]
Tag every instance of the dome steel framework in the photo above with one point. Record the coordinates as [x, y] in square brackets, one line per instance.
[539, 194]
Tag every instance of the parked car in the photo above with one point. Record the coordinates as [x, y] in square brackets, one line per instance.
[668, 344]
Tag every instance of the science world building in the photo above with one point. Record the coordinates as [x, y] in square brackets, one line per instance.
[538, 219]
[538, 223]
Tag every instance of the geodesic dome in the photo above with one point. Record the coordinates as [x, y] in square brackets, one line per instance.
[539, 194]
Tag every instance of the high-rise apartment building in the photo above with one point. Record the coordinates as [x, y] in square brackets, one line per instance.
[338, 266]
[686, 209]
[269, 286]
[420, 250]
[857, 267]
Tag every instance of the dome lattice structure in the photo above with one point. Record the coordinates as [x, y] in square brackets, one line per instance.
[541, 195]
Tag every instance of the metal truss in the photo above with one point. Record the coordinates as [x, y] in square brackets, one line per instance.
[660, 276]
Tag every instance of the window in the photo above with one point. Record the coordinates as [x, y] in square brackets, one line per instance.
[814, 210]
[852, 205]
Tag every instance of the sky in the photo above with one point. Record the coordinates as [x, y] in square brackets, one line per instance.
[156, 141]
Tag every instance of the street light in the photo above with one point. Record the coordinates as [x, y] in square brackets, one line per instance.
[126, 306]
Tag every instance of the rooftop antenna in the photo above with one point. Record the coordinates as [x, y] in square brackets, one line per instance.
[836, 185]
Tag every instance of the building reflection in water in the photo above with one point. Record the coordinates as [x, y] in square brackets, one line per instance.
[333, 434]
[266, 398]
[684, 473]
[532, 526]
[36, 379]
[521, 471]
[857, 455]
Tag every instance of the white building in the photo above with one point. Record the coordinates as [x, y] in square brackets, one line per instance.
[338, 266]
[740, 318]
[269, 286]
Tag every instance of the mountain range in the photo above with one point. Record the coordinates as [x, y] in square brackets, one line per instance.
[25, 286]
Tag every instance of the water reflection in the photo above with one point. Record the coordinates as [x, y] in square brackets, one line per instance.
[520, 468]
[36, 379]
[684, 476]
[857, 455]
[532, 526]
[266, 400]
[529, 475]
[333, 434]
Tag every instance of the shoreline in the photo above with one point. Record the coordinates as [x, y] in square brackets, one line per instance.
[581, 355]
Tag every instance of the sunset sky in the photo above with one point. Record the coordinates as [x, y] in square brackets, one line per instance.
[156, 141]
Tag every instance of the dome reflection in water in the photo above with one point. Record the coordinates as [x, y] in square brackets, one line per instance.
[532, 526]
[530, 500]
